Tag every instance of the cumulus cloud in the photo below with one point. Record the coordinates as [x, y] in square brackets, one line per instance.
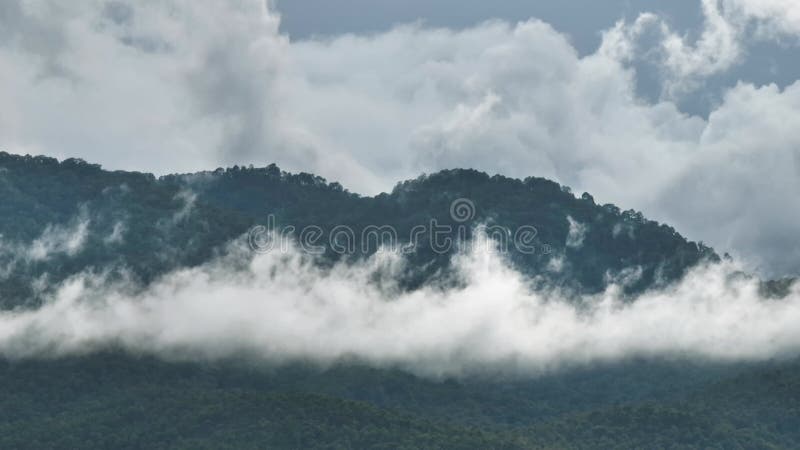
[143, 85]
[169, 86]
[280, 308]
[774, 17]
[683, 62]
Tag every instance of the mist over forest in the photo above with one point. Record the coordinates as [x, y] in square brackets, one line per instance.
[161, 285]
[428, 224]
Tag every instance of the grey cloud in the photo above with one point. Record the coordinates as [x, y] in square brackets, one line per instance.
[119, 12]
[33, 32]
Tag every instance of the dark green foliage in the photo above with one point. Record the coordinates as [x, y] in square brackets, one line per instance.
[117, 401]
[157, 237]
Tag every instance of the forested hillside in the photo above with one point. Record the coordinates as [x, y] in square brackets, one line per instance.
[62, 218]
[115, 401]
[59, 219]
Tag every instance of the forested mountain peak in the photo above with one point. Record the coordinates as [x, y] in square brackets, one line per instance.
[150, 225]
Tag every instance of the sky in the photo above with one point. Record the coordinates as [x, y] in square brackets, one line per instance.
[583, 20]
[686, 110]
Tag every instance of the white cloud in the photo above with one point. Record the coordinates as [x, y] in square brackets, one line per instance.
[67, 239]
[774, 17]
[282, 308]
[576, 234]
[716, 50]
[188, 200]
[58, 239]
[175, 87]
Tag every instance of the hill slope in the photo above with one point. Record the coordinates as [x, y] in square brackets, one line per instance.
[109, 400]
[61, 218]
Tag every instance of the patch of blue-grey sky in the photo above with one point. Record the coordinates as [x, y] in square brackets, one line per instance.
[765, 61]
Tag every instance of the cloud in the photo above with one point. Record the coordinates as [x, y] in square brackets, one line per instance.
[282, 308]
[60, 239]
[681, 63]
[188, 198]
[169, 86]
[117, 235]
[150, 85]
[774, 18]
[576, 234]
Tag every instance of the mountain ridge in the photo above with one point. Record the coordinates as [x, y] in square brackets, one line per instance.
[65, 218]
[152, 225]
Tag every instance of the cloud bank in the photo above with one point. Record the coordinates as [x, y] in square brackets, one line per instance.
[169, 86]
[281, 308]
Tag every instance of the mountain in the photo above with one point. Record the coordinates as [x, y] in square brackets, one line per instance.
[59, 219]
[63, 218]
